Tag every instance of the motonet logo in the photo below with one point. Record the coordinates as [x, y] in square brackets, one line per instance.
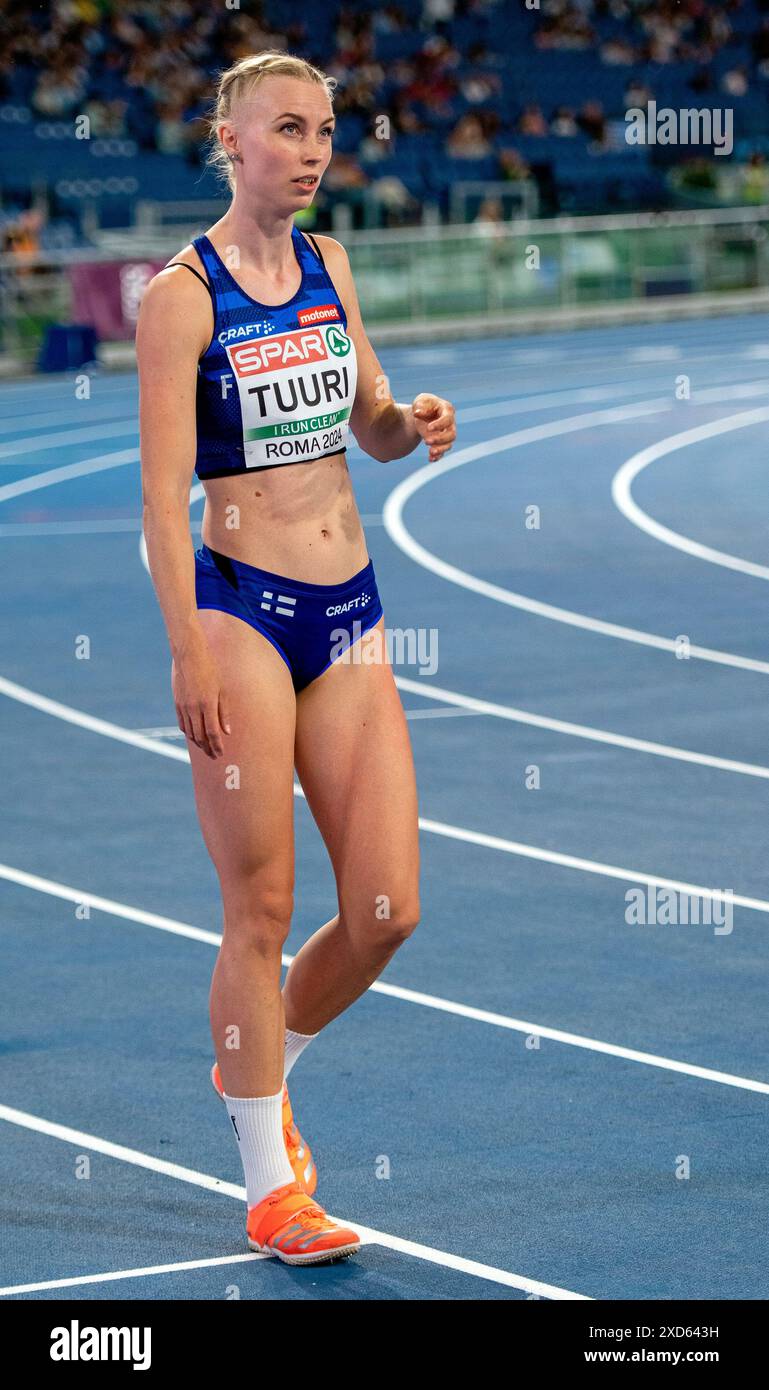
[282, 351]
[321, 313]
[76, 1343]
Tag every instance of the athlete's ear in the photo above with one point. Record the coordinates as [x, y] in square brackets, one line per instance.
[229, 140]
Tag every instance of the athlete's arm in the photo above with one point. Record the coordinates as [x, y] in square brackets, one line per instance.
[384, 428]
[174, 327]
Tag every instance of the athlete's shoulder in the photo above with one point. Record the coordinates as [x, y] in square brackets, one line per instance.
[175, 296]
[176, 271]
[331, 249]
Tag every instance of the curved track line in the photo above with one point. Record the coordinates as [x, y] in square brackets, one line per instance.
[89, 721]
[409, 996]
[543, 721]
[37, 443]
[400, 536]
[563, 726]
[622, 496]
[67, 471]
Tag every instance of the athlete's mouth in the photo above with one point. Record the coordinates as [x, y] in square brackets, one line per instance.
[307, 180]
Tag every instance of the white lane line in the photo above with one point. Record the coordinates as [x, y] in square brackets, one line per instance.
[68, 1135]
[401, 992]
[588, 866]
[24, 530]
[167, 750]
[141, 1273]
[89, 721]
[94, 410]
[68, 471]
[439, 712]
[102, 379]
[564, 726]
[505, 405]
[161, 731]
[548, 400]
[622, 495]
[368, 1234]
[629, 1054]
[475, 837]
[62, 438]
[400, 536]
[662, 353]
[115, 909]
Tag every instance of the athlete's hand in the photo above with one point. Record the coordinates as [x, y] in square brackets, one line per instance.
[201, 703]
[435, 419]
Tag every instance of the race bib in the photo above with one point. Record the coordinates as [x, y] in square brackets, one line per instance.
[296, 393]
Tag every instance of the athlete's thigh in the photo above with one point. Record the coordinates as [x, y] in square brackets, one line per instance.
[245, 798]
[355, 763]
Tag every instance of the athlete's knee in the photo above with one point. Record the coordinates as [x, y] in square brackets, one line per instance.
[258, 917]
[389, 921]
[405, 919]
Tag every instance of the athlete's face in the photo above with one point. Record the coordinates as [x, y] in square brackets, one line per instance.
[281, 130]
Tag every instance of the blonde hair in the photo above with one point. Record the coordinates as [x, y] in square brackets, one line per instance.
[241, 79]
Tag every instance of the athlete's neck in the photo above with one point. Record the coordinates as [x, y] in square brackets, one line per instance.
[262, 238]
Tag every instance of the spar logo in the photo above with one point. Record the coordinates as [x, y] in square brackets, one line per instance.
[338, 341]
[278, 353]
[320, 314]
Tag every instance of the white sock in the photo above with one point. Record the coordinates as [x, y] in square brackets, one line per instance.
[257, 1122]
[295, 1045]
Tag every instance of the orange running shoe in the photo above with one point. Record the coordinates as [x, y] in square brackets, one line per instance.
[299, 1155]
[287, 1224]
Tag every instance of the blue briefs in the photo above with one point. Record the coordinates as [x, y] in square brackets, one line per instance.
[309, 624]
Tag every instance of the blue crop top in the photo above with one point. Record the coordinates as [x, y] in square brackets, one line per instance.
[276, 384]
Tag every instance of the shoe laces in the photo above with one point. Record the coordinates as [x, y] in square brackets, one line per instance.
[306, 1217]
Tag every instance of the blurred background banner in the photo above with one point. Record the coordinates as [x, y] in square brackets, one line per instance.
[107, 296]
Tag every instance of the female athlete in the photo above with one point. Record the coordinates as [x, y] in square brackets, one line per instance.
[254, 366]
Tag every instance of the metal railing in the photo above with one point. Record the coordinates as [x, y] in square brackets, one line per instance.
[439, 278]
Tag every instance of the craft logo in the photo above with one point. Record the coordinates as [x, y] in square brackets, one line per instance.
[319, 314]
[281, 352]
[245, 330]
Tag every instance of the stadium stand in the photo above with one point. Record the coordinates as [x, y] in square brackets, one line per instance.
[475, 90]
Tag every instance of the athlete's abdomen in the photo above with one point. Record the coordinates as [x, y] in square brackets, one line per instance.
[301, 521]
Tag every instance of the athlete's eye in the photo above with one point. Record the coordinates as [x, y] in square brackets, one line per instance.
[292, 125]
